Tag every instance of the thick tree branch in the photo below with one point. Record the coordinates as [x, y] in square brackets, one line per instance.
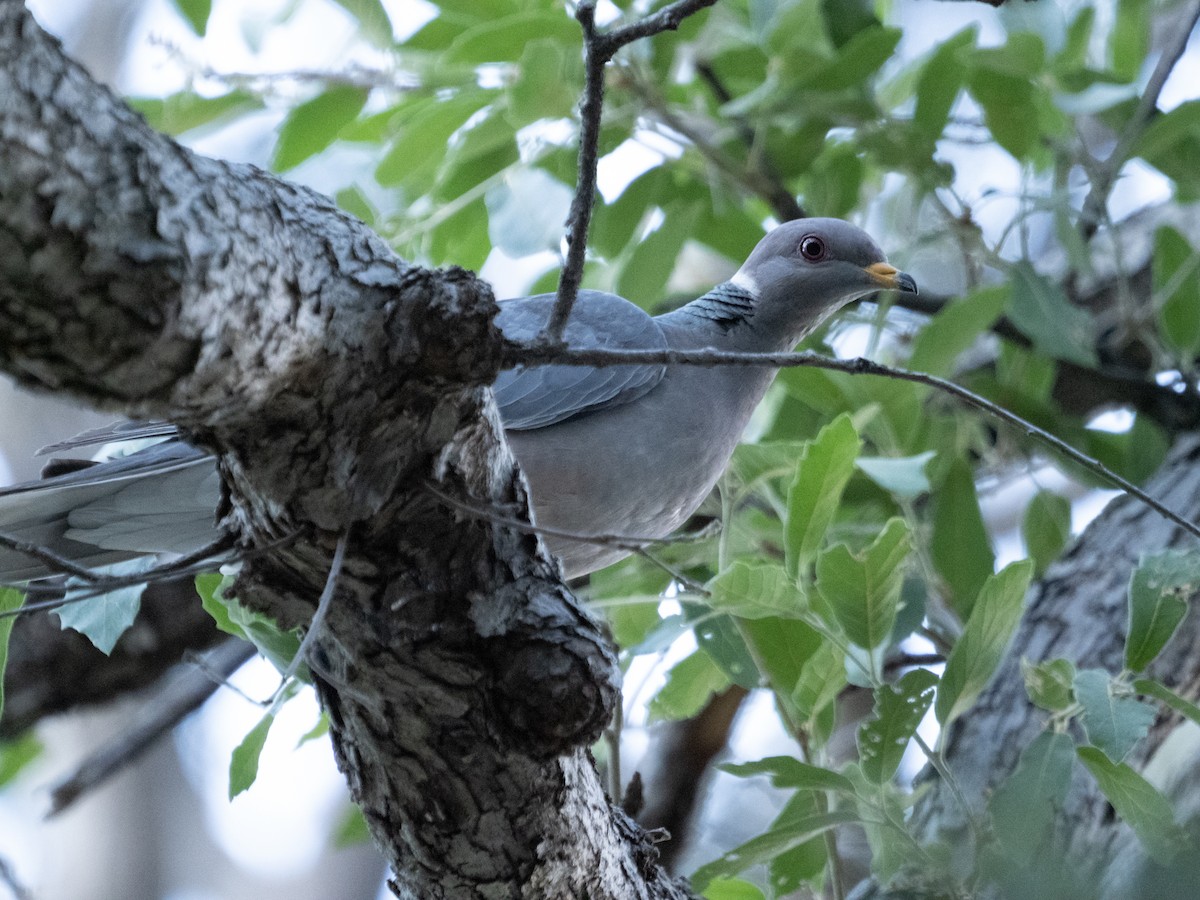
[331, 379]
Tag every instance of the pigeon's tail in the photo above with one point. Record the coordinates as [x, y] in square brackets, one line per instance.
[159, 500]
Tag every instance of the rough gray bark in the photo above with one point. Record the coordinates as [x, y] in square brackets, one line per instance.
[332, 380]
[1078, 611]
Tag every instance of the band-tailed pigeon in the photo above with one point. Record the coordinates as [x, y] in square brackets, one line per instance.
[619, 450]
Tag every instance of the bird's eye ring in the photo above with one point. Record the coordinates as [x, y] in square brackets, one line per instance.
[812, 248]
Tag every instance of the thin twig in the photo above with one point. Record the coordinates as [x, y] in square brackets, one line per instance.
[598, 49]
[529, 354]
[57, 564]
[185, 693]
[632, 543]
[1105, 175]
[318, 619]
[782, 201]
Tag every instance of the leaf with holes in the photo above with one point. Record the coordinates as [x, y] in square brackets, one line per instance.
[899, 709]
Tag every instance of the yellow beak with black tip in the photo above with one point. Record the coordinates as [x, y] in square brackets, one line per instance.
[890, 278]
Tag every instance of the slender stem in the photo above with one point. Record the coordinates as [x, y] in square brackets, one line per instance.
[526, 354]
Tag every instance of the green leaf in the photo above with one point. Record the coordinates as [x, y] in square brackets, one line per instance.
[689, 685]
[504, 40]
[17, 753]
[186, 110]
[1171, 141]
[978, 652]
[1024, 805]
[755, 591]
[732, 889]
[313, 126]
[904, 476]
[1159, 590]
[955, 329]
[1176, 271]
[352, 829]
[372, 18]
[816, 490]
[1138, 803]
[645, 273]
[317, 731]
[770, 844]
[858, 58]
[1159, 691]
[1046, 528]
[1048, 684]
[789, 772]
[545, 87]
[899, 709]
[10, 599]
[821, 679]
[279, 647]
[722, 640]
[1009, 110]
[960, 548]
[783, 647]
[1113, 723]
[805, 862]
[940, 83]
[1129, 38]
[425, 131]
[243, 765]
[1040, 309]
[195, 13]
[863, 589]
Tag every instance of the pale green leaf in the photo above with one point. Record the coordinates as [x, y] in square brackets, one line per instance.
[105, 618]
[278, 646]
[195, 13]
[767, 846]
[899, 709]
[732, 889]
[372, 19]
[1114, 723]
[755, 591]
[243, 765]
[1041, 310]
[1176, 279]
[1049, 684]
[904, 476]
[821, 679]
[979, 650]
[314, 125]
[10, 599]
[186, 110]
[789, 772]
[1158, 691]
[1046, 528]
[352, 829]
[863, 589]
[960, 548]
[17, 753]
[955, 330]
[1024, 805]
[1159, 591]
[816, 490]
[690, 683]
[1138, 803]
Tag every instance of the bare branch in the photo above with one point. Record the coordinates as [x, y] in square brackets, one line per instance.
[182, 695]
[1105, 174]
[598, 49]
[528, 354]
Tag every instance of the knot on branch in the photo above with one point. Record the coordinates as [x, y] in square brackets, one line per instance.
[557, 680]
[558, 695]
[453, 333]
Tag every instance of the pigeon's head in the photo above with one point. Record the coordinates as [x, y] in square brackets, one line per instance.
[807, 268]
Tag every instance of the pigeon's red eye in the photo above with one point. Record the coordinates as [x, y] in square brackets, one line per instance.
[812, 248]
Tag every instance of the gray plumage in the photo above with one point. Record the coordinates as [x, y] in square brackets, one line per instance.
[621, 450]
